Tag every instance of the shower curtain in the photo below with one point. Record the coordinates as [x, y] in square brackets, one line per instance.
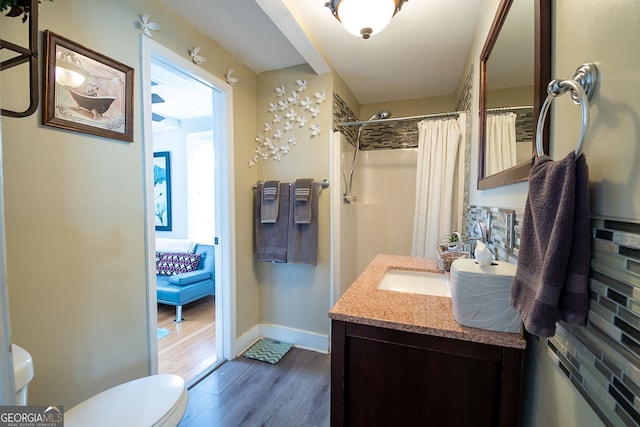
[439, 170]
[501, 142]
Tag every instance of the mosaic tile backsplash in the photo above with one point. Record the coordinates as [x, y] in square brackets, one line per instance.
[602, 359]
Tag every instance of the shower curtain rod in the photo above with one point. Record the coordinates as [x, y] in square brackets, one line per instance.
[427, 116]
[399, 119]
[496, 109]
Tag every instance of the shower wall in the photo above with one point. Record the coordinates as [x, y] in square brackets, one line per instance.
[381, 219]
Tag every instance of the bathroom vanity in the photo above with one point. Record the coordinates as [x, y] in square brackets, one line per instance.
[400, 358]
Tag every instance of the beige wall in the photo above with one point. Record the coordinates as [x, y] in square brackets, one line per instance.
[607, 34]
[510, 97]
[604, 33]
[341, 88]
[297, 296]
[410, 107]
[75, 212]
[74, 228]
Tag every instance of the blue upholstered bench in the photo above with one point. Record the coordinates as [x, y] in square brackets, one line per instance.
[187, 287]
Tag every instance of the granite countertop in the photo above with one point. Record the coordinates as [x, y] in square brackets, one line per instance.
[364, 303]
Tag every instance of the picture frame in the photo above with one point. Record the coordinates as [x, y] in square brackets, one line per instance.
[85, 91]
[162, 190]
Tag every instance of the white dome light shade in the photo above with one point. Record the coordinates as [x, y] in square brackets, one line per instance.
[364, 18]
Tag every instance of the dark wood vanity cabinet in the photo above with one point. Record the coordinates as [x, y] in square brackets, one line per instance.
[385, 377]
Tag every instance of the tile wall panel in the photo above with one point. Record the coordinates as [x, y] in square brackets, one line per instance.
[601, 359]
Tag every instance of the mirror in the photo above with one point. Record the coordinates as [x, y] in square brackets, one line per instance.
[515, 68]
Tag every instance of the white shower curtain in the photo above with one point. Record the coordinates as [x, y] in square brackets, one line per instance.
[501, 142]
[439, 166]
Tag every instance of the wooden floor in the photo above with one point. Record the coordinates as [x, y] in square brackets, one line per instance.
[245, 392]
[190, 347]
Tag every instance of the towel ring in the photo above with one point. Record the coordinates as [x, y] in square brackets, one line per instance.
[581, 87]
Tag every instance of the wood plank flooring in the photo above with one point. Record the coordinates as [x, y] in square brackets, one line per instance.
[190, 347]
[245, 392]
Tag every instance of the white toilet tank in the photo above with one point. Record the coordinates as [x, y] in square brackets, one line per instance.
[481, 295]
[22, 372]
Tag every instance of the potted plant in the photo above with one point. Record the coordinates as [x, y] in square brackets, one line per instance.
[17, 8]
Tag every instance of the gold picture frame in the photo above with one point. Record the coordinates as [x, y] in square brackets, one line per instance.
[85, 91]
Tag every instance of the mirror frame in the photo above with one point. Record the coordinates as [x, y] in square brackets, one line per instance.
[541, 77]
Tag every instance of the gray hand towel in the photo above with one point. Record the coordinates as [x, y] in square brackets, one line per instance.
[303, 238]
[272, 238]
[551, 264]
[270, 202]
[303, 200]
[574, 297]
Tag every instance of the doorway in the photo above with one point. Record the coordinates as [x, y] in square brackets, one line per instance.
[198, 132]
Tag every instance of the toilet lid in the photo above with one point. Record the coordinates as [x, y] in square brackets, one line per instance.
[148, 401]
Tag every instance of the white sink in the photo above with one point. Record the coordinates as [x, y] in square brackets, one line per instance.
[416, 282]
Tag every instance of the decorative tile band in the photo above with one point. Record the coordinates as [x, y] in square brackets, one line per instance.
[400, 134]
[602, 360]
[386, 135]
[342, 113]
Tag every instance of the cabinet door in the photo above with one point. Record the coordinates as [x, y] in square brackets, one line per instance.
[399, 378]
[391, 384]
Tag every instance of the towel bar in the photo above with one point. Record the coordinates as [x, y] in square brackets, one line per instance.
[581, 87]
[324, 184]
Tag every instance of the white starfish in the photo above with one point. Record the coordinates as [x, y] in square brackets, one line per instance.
[320, 97]
[230, 80]
[293, 99]
[315, 130]
[302, 85]
[197, 59]
[147, 26]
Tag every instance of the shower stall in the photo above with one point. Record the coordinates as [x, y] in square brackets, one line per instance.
[373, 211]
[375, 164]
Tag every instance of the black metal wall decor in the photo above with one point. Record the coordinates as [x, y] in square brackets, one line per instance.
[25, 55]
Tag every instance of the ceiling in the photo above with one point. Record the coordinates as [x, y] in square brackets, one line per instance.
[420, 54]
[178, 100]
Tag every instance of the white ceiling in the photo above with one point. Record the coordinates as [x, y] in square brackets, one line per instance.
[420, 54]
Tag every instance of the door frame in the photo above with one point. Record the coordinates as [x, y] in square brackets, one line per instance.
[7, 383]
[225, 271]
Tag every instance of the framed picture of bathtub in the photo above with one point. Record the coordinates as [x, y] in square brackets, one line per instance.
[162, 190]
[85, 91]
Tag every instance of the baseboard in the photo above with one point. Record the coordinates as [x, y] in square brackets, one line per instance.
[247, 339]
[301, 339]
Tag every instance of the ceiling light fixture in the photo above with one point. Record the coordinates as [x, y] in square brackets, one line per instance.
[364, 18]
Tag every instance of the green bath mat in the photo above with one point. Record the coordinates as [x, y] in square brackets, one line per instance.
[163, 332]
[267, 350]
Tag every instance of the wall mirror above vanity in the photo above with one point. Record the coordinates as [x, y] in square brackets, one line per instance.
[515, 67]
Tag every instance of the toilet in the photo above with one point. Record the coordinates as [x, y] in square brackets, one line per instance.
[156, 400]
[22, 372]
